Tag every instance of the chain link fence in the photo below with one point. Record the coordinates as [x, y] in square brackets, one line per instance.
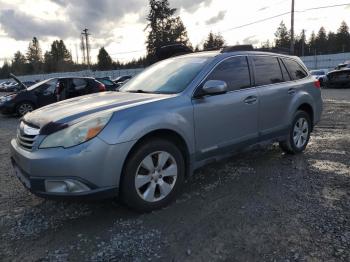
[86, 73]
[325, 61]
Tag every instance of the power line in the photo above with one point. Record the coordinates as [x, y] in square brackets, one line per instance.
[282, 14]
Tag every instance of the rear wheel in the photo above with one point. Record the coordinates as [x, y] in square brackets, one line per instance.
[153, 175]
[24, 108]
[299, 134]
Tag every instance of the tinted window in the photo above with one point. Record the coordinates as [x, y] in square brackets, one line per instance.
[78, 84]
[285, 74]
[234, 71]
[267, 70]
[295, 70]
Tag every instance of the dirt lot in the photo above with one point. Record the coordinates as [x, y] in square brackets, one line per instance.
[261, 205]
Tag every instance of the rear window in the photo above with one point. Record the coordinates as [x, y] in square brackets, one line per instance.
[296, 71]
[79, 84]
[267, 70]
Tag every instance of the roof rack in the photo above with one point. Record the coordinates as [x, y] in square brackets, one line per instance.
[172, 50]
[234, 48]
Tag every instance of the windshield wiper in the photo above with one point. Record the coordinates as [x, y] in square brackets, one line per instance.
[140, 91]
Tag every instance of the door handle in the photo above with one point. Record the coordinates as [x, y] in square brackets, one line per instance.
[250, 100]
[291, 91]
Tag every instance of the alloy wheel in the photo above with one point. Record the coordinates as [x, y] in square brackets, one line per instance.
[300, 132]
[25, 108]
[156, 176]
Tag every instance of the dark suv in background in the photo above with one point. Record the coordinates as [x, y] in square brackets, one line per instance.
[47, 92]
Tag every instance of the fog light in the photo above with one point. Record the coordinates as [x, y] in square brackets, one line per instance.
[65, 186]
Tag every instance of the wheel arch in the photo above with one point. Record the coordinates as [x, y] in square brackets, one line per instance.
[306, 107]
[166, 134]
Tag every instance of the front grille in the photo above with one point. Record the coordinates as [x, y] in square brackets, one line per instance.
[26, 141]
[26, 136]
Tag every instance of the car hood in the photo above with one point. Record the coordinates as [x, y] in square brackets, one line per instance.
[72, 109]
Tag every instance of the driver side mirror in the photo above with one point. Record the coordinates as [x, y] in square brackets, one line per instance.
[214, 87]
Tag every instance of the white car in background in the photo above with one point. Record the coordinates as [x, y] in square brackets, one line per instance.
[320, 74]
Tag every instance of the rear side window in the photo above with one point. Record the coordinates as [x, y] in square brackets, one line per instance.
[296, 71]
[234, 71]
[267, 70]
[78, 84]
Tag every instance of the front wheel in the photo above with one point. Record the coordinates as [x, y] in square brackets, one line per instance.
[152, 175]
[299, 134]
[24, 108]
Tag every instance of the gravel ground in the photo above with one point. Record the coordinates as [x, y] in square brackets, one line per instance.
[260, 205]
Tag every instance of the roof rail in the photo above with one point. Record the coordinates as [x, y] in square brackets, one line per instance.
[236, 48]
[172, 50]
[233, 48]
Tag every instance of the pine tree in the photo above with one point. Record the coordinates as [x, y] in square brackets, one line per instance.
[34, 56]
[321, 41]
[18, 66]
[282, 35]
[5, 70]
[214, 41]
[164, 28]
[104, 61]
[312, 44]
[343, 38]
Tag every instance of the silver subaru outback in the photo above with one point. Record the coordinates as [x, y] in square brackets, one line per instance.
[141, 143]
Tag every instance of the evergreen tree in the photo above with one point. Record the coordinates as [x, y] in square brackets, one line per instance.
[331, 42]
[18, 66]
[312, 44]
[343, 38]
[5, 70]
[214, 41]
[282, 35]
[164, 28]
[321, 41]
[104, 61]
[34, 56]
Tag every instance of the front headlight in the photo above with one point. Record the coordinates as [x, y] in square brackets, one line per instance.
[77, 133]
[7, 98]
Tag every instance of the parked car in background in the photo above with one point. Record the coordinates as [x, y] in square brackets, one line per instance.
[338, 78]
[122, 79]
[320, 74]
[47, 92]
[140, 143]
[109, 84]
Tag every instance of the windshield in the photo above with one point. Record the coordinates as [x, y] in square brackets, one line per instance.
[169, 76]
[38, 84]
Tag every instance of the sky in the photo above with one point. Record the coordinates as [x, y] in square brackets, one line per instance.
[119, 25]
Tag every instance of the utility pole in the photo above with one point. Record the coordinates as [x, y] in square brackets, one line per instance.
[292, 30]
[76, 54]
[86, 35]
[82, 48]
[303, 43]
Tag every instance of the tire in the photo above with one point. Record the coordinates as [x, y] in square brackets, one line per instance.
[24, 108]
[298, 135]
[158, 183]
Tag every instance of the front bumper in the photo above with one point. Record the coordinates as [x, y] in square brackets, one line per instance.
[95, 163]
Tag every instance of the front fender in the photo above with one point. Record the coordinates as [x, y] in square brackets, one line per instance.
[133, 123]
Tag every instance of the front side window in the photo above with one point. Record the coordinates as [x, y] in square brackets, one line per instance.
[267, 70]
[234, 71]
[296, 71]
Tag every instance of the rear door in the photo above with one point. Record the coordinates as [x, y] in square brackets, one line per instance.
[224, 121]
[275, 90]
[77, 87]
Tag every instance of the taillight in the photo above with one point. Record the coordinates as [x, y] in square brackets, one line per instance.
[101, 87]
[317, 84]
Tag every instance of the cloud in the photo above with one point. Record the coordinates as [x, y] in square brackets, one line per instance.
[251, 40]
[213, 20]
[189, 5]
[21, 26]
[263, 8]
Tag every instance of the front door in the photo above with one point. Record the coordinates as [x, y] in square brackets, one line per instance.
[225, 121]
